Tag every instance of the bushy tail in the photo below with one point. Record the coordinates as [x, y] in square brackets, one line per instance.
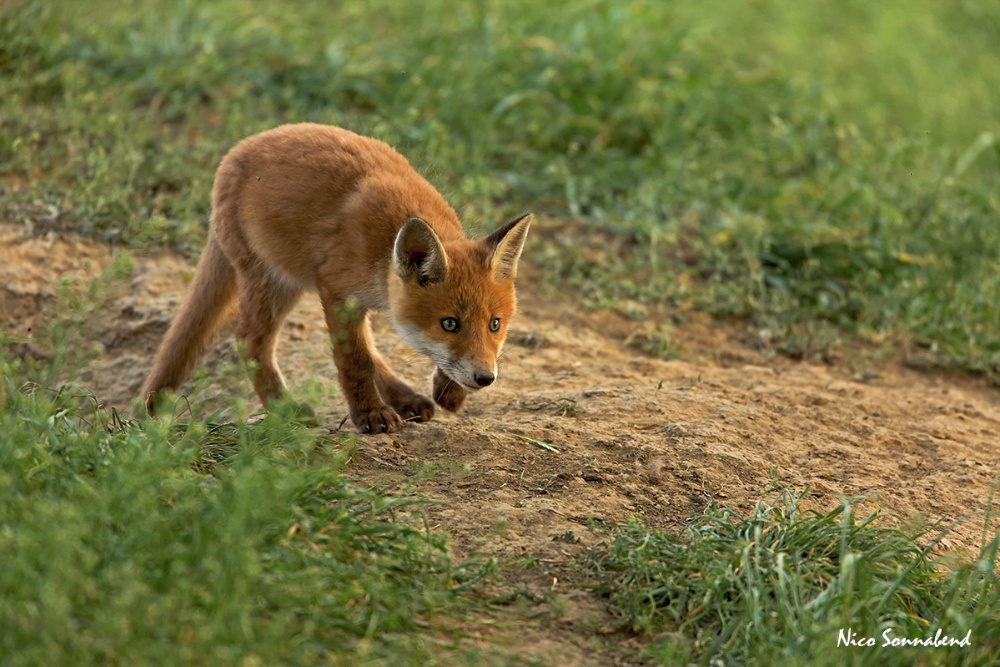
[209, 305]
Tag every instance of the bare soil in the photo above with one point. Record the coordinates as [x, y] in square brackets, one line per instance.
[627, 434]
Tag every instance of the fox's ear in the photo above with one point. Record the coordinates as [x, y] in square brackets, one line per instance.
[506, 244]
[418, 254]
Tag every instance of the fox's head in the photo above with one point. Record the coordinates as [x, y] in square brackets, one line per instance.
[455, 299]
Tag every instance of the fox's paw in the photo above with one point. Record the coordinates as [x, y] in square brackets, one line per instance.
[414, 408]
[379, 420]
[447, 393]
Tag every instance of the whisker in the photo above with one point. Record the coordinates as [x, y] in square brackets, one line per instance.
[447, 386]
[413, 359]
[408, 358]
[499, 358]
[400, 339]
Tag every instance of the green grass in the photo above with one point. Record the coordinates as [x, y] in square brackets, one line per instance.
[780, 585]
[819, 172]
[139, 543]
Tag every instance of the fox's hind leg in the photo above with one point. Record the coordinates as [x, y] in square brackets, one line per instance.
[264, 304]
[207, 307]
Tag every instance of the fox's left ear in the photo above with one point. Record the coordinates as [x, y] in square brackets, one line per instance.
[506, 244]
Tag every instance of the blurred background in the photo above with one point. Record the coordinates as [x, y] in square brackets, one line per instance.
[809, 168]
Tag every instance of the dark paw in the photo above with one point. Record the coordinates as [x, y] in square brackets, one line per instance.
[447, 393]
[379, 420]
[415, 408]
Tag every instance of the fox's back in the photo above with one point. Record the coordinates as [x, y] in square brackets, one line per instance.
[305, 191]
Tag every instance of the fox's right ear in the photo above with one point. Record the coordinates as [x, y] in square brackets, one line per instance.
[418, 254]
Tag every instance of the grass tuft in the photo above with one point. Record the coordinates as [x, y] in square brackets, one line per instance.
[783, 584]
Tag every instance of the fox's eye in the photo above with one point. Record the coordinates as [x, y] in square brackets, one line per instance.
[449, 324]
[495, 324]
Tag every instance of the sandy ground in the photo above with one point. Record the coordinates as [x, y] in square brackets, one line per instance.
[634, 435]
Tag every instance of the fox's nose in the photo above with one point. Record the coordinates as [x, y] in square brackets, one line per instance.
[485, 379]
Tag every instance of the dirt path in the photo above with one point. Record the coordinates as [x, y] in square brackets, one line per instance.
[634, 435]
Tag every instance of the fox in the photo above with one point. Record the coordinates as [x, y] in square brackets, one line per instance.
[317, 207]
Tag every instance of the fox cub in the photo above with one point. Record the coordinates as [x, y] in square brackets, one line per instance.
[318, 207]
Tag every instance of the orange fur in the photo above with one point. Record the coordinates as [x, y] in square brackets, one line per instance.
[317, 207]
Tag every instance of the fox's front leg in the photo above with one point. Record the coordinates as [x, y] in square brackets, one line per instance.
[447, 393]
[356, 367]
[408, 404]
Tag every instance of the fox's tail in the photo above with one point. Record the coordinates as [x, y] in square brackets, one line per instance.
[207, 308]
